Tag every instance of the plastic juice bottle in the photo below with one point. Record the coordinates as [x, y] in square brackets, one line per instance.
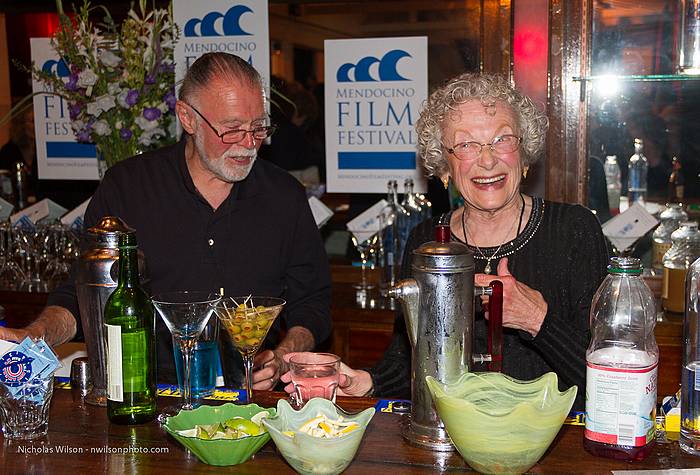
[622, 360]
[690, 379]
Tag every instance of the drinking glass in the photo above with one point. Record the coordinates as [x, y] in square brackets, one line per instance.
[247, 321]
[314, 375]
[364, 247]
[25, 415]
[205, 362]
[185, 313]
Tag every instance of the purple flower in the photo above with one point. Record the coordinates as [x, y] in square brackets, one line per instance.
[72, 84]
[84, 135]
[151, 113]
[125, 133]
[170, 100]
[150, 79]
[74, 110]
[132, 97]
[166, 68]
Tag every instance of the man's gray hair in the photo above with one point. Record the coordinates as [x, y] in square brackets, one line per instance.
[487, 88]
[217, 65]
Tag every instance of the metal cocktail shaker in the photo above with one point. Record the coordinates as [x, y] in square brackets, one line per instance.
[438, 305]
[96, 279]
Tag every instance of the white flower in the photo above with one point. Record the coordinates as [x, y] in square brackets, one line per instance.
[109, 59]
[121, 98]
[77, 125]
[102, 128]
[149, 137]
[145, 124]
[113, 88]
[92, 109]
[163, 107]
[102, 103]
[105, 102]
[87, 78]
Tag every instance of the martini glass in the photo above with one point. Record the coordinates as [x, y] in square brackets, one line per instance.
[185, 313]
[247, 321]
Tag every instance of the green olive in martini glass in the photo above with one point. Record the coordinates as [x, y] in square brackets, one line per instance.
[247, 321]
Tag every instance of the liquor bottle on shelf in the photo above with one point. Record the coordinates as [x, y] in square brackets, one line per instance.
[411, 206]
[683, 252]
[20, 185]
[620, 418]
[676, 182]
[388, 254]
[690, 377]
[670, 218]
[131, 352]
[637, 174]
[614, 185]
[425, 206]
[689, 60]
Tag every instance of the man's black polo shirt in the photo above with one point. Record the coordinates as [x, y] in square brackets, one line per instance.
[262, 240]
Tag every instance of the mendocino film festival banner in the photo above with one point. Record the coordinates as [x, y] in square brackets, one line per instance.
[374, 89]
[59, 155]
[239, 28]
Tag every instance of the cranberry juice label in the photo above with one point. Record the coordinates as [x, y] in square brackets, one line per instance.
[620, 405]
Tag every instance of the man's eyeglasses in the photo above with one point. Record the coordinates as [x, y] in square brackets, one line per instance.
[237, 135]
[470, 150]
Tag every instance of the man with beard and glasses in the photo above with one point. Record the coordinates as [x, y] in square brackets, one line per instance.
[209, 216]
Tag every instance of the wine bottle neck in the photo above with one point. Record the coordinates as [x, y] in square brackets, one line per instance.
[128, 267]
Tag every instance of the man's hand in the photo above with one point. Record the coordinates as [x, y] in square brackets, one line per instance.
[13, 334]
[270, 365]
[355, 383]
[56, 325]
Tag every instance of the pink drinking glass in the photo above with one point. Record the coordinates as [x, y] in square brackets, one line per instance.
[314, 375]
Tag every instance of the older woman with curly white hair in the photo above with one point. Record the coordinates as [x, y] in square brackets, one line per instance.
[482, 134]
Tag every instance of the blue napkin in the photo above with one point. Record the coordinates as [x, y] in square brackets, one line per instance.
[28, 368]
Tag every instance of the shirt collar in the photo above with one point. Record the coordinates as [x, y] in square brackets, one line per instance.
[242, 190]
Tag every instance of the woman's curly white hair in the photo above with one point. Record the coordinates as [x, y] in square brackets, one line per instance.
[487, 88]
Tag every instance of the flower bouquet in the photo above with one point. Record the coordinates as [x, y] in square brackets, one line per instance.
[120, 89]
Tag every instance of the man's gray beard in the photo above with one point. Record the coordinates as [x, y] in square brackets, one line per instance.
[218, 165]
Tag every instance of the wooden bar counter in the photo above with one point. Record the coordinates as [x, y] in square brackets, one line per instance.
[81, 440]
[363, 324]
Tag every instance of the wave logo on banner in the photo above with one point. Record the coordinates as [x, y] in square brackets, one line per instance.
[387, 69]
[210, 25]
[59, 68]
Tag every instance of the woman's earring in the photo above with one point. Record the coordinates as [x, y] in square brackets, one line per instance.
[446, 182]
[525, 169]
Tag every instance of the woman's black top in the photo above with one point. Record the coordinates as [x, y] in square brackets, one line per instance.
[561, 252]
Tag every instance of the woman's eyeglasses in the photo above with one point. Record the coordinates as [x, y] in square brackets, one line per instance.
[469, 150]
[237, 135]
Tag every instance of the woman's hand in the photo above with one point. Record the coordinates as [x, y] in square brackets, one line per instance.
[523, 308]
[355, 383]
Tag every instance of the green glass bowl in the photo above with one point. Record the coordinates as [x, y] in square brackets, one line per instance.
[312, 455]
[500, 424]
[220, 451]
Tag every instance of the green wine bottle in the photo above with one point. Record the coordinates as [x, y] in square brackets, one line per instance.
[131, 353]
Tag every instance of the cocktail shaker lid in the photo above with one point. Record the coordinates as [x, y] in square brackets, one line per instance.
[107, 230]
[443, 255]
